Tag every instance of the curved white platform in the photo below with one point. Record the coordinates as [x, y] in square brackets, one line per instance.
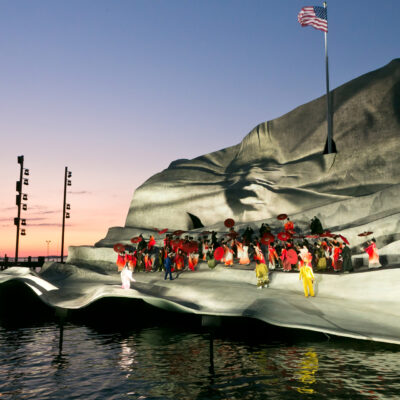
[362, 305]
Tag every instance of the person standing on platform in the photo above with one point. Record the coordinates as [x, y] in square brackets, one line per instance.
[168, 266]
[307, 276]
[373, 255]
[289, 226]
[346, 255]
[316, 226]
[261, 274]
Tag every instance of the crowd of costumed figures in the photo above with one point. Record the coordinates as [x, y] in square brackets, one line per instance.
[288, 250]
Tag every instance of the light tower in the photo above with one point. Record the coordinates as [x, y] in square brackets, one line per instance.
[67, 182]
[21, 197]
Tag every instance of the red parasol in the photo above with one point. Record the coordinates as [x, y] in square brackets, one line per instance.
[344, 239]
[267, 238]
[292, 256]
[365, 233]
[229, 222]
[162, 231]
[219, 253]
[119, 248]
[312, 236]
[178, 233]
[136, 239]
[284, 236]
[281, 217]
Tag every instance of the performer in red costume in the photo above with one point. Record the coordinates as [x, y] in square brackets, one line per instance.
[131, 260]
[337, 257]
[259, 254]
[289, 226]
[242, 253]
[151, 243]
[272, 256]
[228, 256]
[285, 262]
[121, 261]
[373, 255]
[179, 260]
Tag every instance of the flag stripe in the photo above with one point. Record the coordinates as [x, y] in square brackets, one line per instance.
[314, 16]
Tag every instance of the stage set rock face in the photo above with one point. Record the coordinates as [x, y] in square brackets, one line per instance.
[280, 167]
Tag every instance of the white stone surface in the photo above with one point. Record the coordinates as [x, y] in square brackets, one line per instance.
[361, 305]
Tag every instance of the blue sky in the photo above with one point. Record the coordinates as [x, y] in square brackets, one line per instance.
[116, 90]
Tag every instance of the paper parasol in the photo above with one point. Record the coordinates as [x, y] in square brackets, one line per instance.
[344, 239]
[162, 231]
[229, 222]
[267, 238]
[292, 256]
[119, 248]
[136, 239]
[281, 217]
[365, 233]
[219, 253]
[284, 236]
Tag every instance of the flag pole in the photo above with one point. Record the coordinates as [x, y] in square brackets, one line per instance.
[328, 97]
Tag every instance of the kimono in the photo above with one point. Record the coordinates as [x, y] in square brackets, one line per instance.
[285, 262]
[131, 260]
[151, 243]
[120, 261]
[337, 259]
[272, 256]
[321, 259]
[179, 261]
[228, 256]
[193, 259]
[243, 254]
[347, 264]
[373, 256]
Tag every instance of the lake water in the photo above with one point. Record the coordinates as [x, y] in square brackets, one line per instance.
[127, 355]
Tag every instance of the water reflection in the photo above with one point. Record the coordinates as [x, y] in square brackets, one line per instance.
[72, 361]
[307, 370]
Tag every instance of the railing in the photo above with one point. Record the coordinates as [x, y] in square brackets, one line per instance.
[31, 262]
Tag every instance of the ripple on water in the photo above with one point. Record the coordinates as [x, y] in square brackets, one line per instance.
[161, 363]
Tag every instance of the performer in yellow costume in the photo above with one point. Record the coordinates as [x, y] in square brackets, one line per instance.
[261, 274]
[307, 276]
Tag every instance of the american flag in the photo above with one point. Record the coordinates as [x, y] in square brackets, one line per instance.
[315, 16]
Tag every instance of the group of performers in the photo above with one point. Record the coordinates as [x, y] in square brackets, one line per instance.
[289, 251]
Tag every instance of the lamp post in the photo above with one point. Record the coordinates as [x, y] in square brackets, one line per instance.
[19, 198]
[48, 245]
[67, 182]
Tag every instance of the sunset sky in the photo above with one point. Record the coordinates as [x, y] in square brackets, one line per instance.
[116, 90]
